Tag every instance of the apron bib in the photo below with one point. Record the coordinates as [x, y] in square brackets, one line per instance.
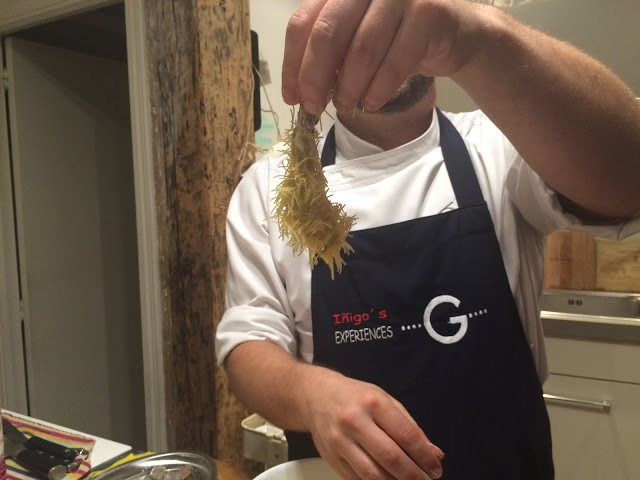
[423, 309]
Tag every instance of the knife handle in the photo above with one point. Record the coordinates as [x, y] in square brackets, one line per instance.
[44, 465]
[38, 443]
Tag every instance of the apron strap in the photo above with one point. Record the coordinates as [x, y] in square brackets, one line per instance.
[456, 158]
[458, 162]
[328, 156]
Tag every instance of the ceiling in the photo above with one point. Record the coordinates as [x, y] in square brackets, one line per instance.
[98, 32]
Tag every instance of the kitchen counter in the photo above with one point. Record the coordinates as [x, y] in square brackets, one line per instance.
[105, 451]
[591, 315]
[227, 471]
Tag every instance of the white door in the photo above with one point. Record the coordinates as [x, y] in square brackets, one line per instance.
[76, 237]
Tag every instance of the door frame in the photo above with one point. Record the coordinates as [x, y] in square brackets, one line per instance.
[151, 306]
[13, 381]
[20, 15]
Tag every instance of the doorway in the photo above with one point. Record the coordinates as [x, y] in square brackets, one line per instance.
[74, 331]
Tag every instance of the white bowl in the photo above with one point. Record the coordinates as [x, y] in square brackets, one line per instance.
[307, 469]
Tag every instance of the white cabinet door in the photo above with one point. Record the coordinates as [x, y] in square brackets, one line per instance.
[590, 443]
[74, 204]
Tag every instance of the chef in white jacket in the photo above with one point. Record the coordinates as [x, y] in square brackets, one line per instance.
[424, 358]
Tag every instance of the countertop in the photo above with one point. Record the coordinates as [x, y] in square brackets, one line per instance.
[591, 315]
[106, 451]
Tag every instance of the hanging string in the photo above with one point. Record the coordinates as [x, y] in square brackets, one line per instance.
[276, 118]
[247, 154]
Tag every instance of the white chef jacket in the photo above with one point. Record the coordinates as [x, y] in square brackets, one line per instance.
[269, 288]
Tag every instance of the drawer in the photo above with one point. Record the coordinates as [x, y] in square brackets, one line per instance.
[589, 442]
[603, 360]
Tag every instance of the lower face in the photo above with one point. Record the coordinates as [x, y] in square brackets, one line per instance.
[414, 89]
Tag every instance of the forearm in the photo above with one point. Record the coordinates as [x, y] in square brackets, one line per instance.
[341, 413]
[570, 118]
[271, 382]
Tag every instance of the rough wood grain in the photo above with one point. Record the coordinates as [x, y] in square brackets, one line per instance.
[570, 261]
[201, 95]
[227, 471]
[618, 265]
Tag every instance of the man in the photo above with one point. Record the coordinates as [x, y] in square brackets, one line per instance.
[430, 335]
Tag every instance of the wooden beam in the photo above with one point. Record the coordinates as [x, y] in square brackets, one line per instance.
[201, 99]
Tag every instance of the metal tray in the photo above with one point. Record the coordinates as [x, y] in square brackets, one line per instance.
[202, 467]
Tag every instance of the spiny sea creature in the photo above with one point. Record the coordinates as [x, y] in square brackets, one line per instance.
[302, 208]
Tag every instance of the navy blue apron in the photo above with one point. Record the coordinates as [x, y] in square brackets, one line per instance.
[424, 310]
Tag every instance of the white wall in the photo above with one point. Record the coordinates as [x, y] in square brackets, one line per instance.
[269, 19]
[607, 29]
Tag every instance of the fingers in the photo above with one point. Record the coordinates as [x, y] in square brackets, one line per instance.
[297, 36]
[367, 51]
[358, 466]
[318, 36]
[410, 440]
[368, 453]
[325, 37]
[370, 47]
[390, 458]
[400, 61]
[386, 441]
[423, 43]
[362, 432]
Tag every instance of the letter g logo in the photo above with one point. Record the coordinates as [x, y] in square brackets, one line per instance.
[461, 319]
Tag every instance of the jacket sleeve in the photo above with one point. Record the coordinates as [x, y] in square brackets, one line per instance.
[256, 299]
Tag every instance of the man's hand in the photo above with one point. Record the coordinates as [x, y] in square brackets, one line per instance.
[358, 429]
[367, 48]
[362, 432]
[571, 119]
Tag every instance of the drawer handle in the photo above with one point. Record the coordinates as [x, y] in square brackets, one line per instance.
[604, 406]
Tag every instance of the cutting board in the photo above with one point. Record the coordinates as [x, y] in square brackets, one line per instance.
[618, 265]
[570, 261]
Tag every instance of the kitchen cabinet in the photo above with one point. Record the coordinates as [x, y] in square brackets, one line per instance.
[596, 422]
[69, 223]
[591, 442]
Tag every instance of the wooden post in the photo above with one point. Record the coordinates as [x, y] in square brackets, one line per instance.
[201, 98]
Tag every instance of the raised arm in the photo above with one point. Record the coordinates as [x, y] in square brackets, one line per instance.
[570, 118]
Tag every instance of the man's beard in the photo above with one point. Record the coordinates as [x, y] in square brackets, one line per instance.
[414, 89]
